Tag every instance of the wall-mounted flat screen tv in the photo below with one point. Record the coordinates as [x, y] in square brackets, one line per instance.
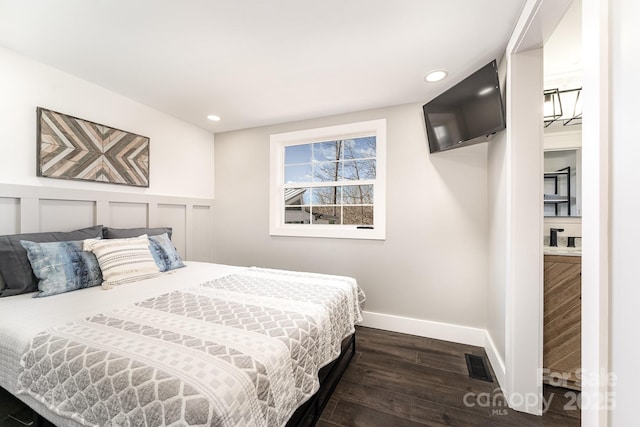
[467, 113]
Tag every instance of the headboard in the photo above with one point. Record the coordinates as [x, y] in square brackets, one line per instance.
[32, 209]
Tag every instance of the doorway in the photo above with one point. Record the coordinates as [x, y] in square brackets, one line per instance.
[562, 184]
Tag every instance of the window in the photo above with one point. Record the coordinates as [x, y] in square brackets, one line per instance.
[329, 182]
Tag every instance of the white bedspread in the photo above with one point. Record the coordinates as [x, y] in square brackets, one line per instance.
[194, 302]
[22, 316]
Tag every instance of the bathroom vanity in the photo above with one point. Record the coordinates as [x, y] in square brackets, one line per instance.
[562, 312]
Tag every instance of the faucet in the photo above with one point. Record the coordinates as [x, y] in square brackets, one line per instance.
[553, 239]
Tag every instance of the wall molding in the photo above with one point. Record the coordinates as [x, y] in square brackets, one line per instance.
[425, 328]
[33, 209]
[497, 363]
[45, 192]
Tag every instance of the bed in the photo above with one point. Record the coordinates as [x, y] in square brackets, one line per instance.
[203, 345]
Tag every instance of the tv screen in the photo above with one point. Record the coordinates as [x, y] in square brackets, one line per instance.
[467, 113]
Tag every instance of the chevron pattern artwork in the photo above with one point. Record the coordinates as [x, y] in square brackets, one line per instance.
[72, 148]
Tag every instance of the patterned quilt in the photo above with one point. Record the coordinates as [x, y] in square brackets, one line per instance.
[241, 350]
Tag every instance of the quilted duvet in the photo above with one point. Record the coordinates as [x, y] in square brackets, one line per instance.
[241, 350]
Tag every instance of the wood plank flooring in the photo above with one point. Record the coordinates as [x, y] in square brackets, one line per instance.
[403, 380]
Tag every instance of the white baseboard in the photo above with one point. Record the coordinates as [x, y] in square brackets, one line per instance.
[425, 328]
[441, 331]
[496, 361]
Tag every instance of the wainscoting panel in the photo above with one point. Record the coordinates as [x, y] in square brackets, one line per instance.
[10, 214]
[128, 215]
[32, 209]
[202, 233]
[66, 214]
[176, 216]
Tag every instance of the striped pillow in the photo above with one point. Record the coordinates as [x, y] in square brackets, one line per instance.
[123, 260]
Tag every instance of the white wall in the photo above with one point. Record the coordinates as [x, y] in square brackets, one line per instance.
[497, 249]
[433, 264]
[524, 170]
[181, 155]
[497, 238]
[624, 208]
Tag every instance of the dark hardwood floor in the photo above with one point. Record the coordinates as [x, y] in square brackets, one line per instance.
[403, 380]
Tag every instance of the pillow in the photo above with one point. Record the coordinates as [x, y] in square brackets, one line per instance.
[123, 260]
[120, 233]
[14, 264]
[62, 267]
[164, 253]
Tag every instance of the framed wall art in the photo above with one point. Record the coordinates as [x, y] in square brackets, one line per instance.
[78, 149]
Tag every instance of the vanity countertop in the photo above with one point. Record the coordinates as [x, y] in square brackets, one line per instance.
[562, 250]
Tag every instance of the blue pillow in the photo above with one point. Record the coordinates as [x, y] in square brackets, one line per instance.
[62, 267]
[164, 253]
[14, 263]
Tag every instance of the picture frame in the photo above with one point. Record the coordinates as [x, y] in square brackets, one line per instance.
[77, 149]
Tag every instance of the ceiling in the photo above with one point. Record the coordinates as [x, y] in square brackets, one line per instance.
[256, 62]
[563, 51]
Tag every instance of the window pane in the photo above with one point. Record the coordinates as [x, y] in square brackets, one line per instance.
[297, 173]
[297, 215]
[358, 215]
[359, 169]
[331, 176]
[327, 196]
[357, 194]
[326, 171]
[360, 148]
[326, 214]
[297, 154]
[327, 151]
[297, 196]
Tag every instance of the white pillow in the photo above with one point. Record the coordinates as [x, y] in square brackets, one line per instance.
[123, 260]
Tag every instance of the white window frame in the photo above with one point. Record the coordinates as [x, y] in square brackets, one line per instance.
[277, 226]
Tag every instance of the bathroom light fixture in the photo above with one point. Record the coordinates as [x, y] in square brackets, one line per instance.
[213, 118]
[554, 99]
[435, 76]
[552, 105]
[576, 117]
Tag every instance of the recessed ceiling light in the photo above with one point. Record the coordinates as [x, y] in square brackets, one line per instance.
[435, 76]
[213, 118]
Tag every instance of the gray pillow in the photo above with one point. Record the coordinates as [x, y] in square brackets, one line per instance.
[14, 264]
[125, 233]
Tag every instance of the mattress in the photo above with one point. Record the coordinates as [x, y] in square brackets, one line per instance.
[243, 346]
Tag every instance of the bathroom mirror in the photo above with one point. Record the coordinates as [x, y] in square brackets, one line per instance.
[563, 174]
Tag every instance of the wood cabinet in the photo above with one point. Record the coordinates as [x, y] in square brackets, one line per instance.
[562, 314]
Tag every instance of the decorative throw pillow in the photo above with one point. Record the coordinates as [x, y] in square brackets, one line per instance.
[164, 253]
[62, 267]
[14, 264]
[123, 260]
